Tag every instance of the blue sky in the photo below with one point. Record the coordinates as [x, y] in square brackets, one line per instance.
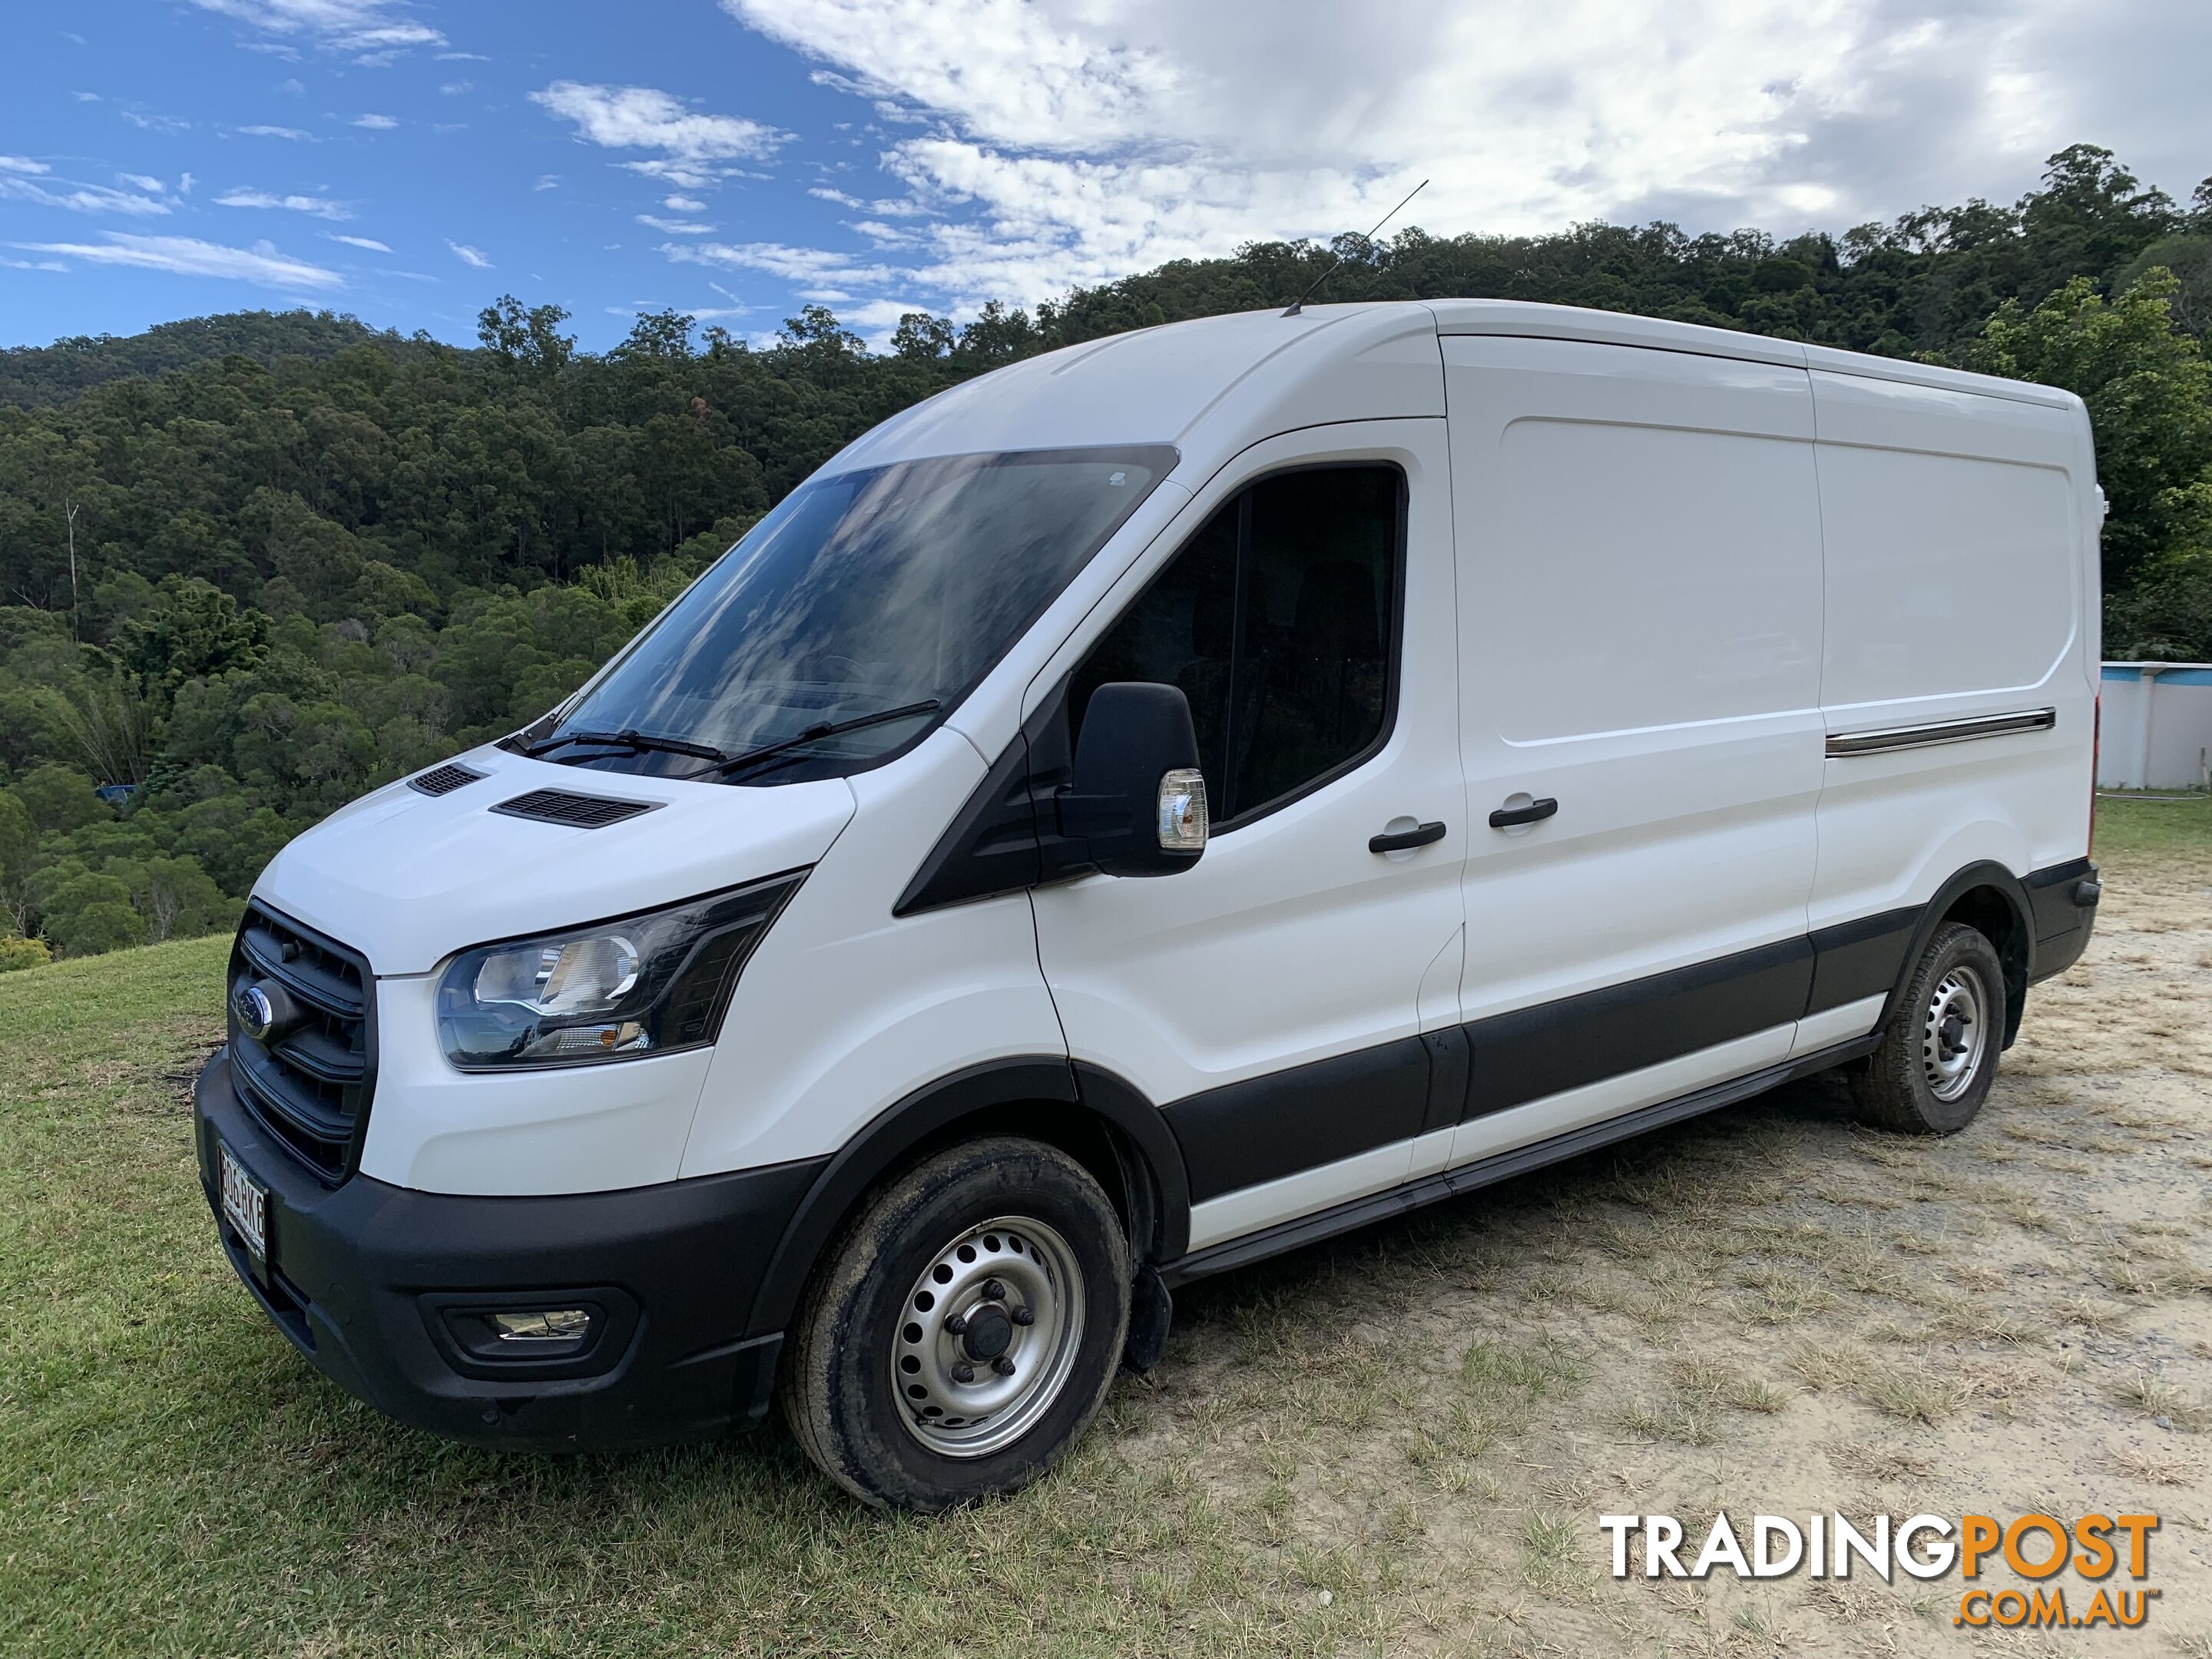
[407, 160]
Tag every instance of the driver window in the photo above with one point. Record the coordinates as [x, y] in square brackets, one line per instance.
[1277, 621]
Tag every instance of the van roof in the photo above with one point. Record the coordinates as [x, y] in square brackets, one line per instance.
[1218, 383]
[1620, 328]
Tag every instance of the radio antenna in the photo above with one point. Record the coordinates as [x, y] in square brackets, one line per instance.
[1298, 305]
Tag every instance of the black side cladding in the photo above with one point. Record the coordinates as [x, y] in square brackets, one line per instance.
[1857, 959]
[1534, 1052]
[1267, 1127]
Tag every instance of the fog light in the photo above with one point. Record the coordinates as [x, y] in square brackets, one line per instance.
[549, 1325]
[514, 1336]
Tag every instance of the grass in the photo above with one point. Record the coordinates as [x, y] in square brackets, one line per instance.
[2142, 831]
[1422, 1421]
[174, 1480]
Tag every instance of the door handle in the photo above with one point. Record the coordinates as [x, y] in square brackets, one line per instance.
[1535, 811]
[1406, 839]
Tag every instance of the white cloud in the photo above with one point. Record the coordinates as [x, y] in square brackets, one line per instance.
[838, 196]
[35, 264]
[1065, 142]
[263, 131]
[369, 242]
[79, 198]
[816, 267]
[141, 181]
[375, 123]
[675, 227]
[547, 181]
[357, 26]
[185, 255]
[683, 204]
[23, 164]
[454, 89]
[321, 207]
[469, 256]
[167, 126]
[695, 147]
[1002, 65]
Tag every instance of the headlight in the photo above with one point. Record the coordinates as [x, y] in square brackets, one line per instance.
[641, 985]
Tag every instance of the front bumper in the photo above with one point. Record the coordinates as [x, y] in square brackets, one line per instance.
[359, 1275]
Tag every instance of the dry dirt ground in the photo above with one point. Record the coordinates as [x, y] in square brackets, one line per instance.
[1772, 1310]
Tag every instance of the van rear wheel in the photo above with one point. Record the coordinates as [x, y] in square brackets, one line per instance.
[1938, 1054]
[961, 1334]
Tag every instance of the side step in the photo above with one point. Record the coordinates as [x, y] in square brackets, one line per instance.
[1451, 1184]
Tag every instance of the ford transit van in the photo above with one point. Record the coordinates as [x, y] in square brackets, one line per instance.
[1155, 805]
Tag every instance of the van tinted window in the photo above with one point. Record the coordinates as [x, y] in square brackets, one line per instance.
[1276, 619]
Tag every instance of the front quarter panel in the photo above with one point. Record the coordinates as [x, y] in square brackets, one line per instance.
[846, 1008]
[537, 1130]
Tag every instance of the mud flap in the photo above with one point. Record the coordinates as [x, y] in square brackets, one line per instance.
[1151, 1311]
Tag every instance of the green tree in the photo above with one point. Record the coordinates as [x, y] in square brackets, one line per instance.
[84, 911]
[192, 629]
[2150, 393]
[98, 928]
[232, 839]
[19, 860]
[922, 336]
[530, 338]
[173, 898]
[59, 798]
[658, 336]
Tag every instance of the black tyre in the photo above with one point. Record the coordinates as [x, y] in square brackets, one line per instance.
[1938, 1054]
[962, 1332]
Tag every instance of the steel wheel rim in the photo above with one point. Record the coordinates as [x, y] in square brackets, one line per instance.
[1955, 1033]
[1013, 1280]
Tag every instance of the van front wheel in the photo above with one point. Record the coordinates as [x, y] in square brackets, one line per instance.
[962, 1332]
[1938, 1054]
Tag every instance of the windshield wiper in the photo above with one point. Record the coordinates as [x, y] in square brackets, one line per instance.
[637, 742]
[726, 764]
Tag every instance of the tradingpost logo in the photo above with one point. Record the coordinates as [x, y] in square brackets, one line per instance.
[2036, 1548]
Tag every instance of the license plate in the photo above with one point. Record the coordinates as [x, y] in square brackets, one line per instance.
[245, 1205]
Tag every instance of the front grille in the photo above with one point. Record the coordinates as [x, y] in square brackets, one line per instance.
[309, 1085]
[562, 807]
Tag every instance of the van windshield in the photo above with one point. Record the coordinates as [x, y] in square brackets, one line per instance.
[870, 602]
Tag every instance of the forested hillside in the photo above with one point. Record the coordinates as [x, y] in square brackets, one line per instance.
[254, 565]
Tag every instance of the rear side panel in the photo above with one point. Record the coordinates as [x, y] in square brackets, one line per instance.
[1958, 674]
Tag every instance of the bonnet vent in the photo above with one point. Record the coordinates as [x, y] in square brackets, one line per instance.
[582, 811]
[443, 779]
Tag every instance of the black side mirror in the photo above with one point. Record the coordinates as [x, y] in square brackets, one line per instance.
[1137, 800]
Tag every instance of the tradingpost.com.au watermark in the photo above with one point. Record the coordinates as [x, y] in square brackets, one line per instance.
[2036, 1548]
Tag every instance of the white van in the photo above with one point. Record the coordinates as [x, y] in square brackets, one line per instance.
[1156, 806]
